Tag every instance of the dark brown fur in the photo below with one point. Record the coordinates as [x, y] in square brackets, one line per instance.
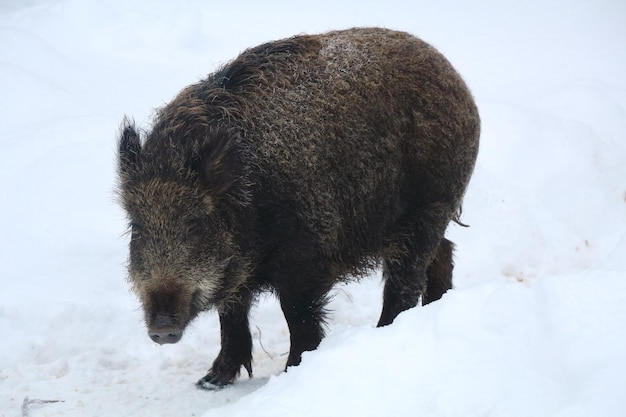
[301, 163]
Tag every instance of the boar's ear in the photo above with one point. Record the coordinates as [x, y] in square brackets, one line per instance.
[217, 161]
[129, 148]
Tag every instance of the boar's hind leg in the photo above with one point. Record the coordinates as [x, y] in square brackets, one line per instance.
[404, 283]
[439, 273]
[236, 348]
[409, 277]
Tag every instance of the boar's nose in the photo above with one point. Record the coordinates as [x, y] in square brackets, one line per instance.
[164, 329]
[163, 335]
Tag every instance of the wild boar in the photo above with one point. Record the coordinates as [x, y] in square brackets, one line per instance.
[301, 163]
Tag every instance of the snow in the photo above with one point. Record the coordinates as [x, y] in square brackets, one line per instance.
[534, 326]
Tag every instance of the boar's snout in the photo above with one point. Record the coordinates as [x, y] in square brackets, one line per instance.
[165, 335]
[164, 330]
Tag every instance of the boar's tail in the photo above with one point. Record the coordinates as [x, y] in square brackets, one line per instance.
[457, 217]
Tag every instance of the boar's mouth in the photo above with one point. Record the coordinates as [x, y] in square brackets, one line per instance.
[163, 329]
[169, 306]
[168, 311]
[171, 313]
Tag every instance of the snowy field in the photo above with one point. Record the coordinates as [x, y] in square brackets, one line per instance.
[536, 325]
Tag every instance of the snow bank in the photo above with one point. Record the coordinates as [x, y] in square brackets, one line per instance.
[501, 348]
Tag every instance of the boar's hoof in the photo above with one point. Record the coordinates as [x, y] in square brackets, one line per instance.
[165, 335]
[211, 384]
[220, 375]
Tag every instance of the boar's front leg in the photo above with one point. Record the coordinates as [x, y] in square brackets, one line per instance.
[304, 308]
[236, 348]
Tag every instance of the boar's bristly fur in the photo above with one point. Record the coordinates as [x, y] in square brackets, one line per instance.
[301, 163]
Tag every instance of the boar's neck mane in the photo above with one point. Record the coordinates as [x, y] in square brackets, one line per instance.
[186, 131]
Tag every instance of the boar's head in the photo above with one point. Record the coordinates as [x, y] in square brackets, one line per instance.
[181, 196]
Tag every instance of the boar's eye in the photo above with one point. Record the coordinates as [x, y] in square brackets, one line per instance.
[136, 231]
[194, 229]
